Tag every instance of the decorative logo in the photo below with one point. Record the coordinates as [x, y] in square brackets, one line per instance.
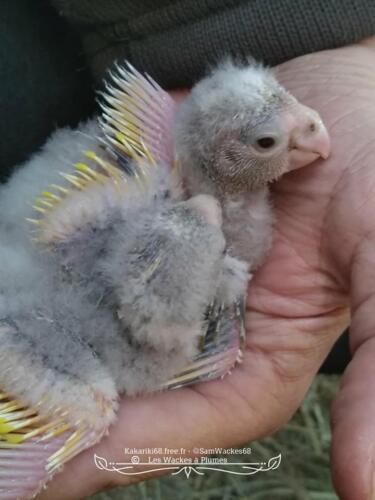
[196, 466]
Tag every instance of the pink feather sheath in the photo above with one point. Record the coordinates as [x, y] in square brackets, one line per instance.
[36, 440]
[48, 422]
[138, 112]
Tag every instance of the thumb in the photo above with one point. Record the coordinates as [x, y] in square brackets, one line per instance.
[353, 412]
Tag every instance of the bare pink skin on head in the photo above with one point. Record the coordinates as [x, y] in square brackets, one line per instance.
[308, 136]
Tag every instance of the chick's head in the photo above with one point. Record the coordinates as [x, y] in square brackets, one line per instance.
[239, 129]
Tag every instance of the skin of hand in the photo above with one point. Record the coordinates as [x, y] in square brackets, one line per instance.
[320, 271]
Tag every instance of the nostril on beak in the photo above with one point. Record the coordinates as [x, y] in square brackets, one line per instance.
[311, 137]
[307, 135]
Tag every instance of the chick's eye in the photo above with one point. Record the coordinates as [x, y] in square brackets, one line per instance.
[265, 142]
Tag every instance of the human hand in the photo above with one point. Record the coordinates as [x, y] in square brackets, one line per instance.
[319, 270]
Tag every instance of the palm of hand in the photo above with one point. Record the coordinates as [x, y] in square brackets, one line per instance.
[297, 306]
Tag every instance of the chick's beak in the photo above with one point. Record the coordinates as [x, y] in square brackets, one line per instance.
[308, 137]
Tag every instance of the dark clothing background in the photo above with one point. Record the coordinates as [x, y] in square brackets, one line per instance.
[52, 59]
[173, 40]
[44, 81]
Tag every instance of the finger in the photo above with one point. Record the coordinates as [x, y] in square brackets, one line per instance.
[353, 426]
[353, 413]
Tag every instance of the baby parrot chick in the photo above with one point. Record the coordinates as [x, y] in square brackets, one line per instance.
[148, 239]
